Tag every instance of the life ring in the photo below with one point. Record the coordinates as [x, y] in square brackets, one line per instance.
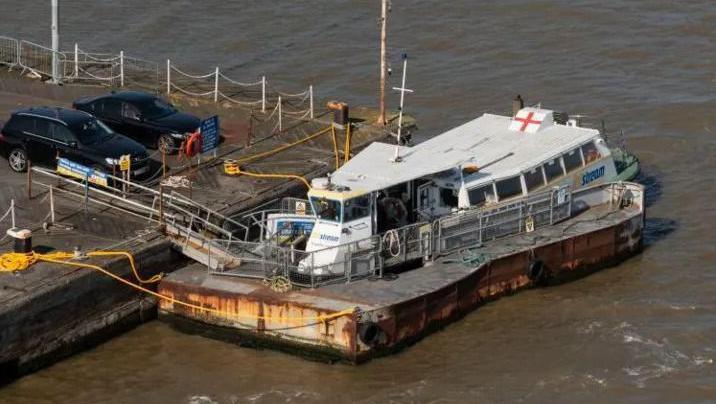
[193, 144]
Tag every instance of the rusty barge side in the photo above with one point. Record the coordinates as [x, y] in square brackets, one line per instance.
[392, 314]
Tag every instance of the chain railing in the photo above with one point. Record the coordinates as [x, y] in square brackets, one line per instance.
[120, 70]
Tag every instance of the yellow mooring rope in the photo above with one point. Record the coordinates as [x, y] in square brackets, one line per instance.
[13, 262]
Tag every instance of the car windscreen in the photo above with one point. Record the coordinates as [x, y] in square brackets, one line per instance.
[153, 108]
[91, 131]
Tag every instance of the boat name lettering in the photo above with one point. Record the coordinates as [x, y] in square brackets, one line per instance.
[590, 176]
[328, 237]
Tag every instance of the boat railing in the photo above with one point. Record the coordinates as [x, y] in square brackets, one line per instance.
[376, 255]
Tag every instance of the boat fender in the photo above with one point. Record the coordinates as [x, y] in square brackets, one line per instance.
[536, 271]
[370, 333]
[193, 144]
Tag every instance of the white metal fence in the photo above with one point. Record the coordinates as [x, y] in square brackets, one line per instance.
[120, 70]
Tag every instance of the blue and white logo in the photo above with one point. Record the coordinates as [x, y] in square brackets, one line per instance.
[592, 175]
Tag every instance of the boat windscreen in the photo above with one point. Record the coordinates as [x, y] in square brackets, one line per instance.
[326, 209]
[356, 208]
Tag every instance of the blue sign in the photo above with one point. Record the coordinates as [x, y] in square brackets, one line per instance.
[76, 170]
[210, 133]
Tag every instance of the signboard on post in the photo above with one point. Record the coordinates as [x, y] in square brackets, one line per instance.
[125, 162]
[210, 133]
[75, 170]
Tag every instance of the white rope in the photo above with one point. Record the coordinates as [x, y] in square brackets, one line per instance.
[99, 78]
[97, 58]
[191, 75]
[6, 214]
[303, 94]
[300, 114]
[187, 92]
[226, 97]
[238, 83]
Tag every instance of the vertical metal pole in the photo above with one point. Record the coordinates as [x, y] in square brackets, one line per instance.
[169, 76]
[383, 40]
[77, 60]
[86, 190]
[29, 179]
[216, 84]
[263, 93]
[310, 99]
[161, 204]
[52, 206]
[121, 68]
[12, 212]
[55, 42]
[280, 120]
[402, 98]
[164, 164]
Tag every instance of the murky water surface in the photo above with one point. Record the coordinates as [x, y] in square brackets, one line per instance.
[644, 331]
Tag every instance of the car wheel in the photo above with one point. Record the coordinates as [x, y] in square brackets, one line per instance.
[18, 160]
[165, 144]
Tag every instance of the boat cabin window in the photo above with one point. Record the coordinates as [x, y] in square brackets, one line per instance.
[448, 197]
[534, 178]
[509, 187]
[590, 152]
[479, 195]
[572, 160]
[356, 208]
[552, 170]
[326, 209]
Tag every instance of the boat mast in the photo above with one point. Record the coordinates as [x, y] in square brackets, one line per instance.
[403, 90]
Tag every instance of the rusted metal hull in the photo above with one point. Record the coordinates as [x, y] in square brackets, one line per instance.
[379, 328]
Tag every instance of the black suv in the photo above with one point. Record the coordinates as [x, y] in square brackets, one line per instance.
[43, 134]
[144, 117]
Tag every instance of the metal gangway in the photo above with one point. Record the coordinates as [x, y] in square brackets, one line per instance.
[189, 225]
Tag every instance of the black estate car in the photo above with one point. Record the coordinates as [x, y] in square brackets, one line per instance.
[42, 134]
[144, 117]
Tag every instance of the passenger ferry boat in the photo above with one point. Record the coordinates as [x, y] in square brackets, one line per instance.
[486, 162]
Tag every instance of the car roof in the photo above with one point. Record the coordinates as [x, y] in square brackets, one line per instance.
[65, 115]
[130, 96]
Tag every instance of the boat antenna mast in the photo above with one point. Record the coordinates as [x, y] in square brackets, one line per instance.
[402, 90]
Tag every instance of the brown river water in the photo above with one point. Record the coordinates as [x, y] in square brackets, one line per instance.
[644, 331]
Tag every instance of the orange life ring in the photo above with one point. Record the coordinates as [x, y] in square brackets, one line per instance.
[193, 144]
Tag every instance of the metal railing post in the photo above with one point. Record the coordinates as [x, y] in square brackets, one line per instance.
[77, 60]
[263, 94]
[216, 84]
[310, 99]
[121, 68]
[52, 206]
[280, 120]
[551, 207]
[12, 212]
[169, 76]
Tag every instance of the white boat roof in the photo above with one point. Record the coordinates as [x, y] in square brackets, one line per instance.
[500, 146]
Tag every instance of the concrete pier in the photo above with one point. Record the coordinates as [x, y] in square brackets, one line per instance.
[51, 311]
